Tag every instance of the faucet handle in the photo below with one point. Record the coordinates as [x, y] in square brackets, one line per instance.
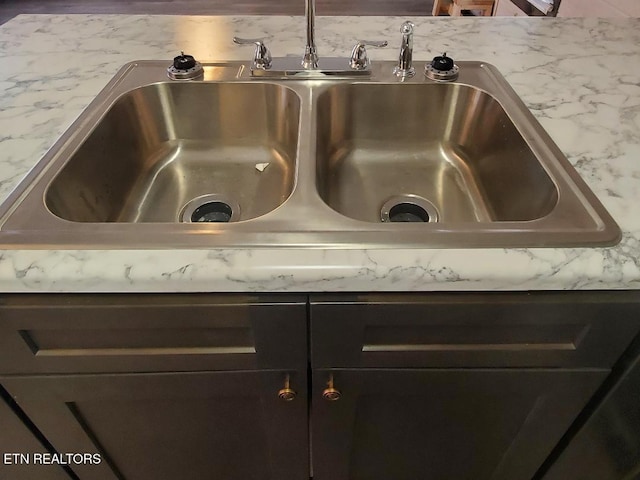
[359, 59]
[261, 56]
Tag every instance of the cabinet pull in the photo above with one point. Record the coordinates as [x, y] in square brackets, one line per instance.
[330, 393]
[287, 393]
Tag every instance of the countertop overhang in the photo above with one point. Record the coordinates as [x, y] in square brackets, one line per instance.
[578, 77]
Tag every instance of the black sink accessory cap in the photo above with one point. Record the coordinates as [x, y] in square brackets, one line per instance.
[442, 63]
[184, 62]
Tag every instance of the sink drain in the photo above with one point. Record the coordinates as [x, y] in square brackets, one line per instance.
[408, 208]
[212, 208]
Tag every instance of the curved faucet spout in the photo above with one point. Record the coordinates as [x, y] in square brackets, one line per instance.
[310, 59]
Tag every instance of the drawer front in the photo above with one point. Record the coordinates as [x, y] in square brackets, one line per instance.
[575, 329]
[181, 332]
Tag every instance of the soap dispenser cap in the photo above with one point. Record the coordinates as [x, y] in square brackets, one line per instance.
[184, 62]
[185, 67]
[441, 68]
[442, 63]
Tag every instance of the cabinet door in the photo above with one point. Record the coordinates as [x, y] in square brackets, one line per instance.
[607, 447]
[478, 424]
[226, 425]
[17, 448]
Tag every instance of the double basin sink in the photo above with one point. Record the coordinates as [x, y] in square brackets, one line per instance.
[233, 161]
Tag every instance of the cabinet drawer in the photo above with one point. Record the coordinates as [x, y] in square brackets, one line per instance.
[575, 329]
[181, 332]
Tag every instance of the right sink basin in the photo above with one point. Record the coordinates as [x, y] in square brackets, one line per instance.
[436, 152]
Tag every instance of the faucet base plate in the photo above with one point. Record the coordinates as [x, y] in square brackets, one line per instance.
[287, 67]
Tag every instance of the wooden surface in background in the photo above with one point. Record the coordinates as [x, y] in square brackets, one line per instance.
[11, 8]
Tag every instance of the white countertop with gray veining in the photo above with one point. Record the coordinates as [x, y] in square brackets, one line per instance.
[580, 77]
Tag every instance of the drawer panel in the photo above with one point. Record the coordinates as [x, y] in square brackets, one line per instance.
[461, 338]
[139, 341]
[564, 329]
[111, 333]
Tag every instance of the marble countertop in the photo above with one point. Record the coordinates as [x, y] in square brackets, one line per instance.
[578, 76]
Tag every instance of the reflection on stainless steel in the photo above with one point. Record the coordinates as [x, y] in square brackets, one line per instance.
[304, 163]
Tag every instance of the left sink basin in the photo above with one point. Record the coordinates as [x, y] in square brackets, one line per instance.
[228, 148]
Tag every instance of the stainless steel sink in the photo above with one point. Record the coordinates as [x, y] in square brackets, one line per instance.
[235, 161]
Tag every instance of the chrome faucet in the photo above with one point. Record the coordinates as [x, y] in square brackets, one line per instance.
[405, 62]
[264, 65]
[310, 58]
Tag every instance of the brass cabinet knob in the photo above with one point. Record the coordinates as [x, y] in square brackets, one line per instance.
[331, 393]
[287, 393]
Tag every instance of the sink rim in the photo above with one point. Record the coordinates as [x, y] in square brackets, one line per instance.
[304, 220]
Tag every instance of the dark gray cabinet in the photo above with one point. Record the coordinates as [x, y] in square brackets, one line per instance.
[431, 386]
[460, 386]
[163, 386]
[541, 329]
[196, 425]
[607, 446]
[20, 444]
[142, 333]
[437, 424]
